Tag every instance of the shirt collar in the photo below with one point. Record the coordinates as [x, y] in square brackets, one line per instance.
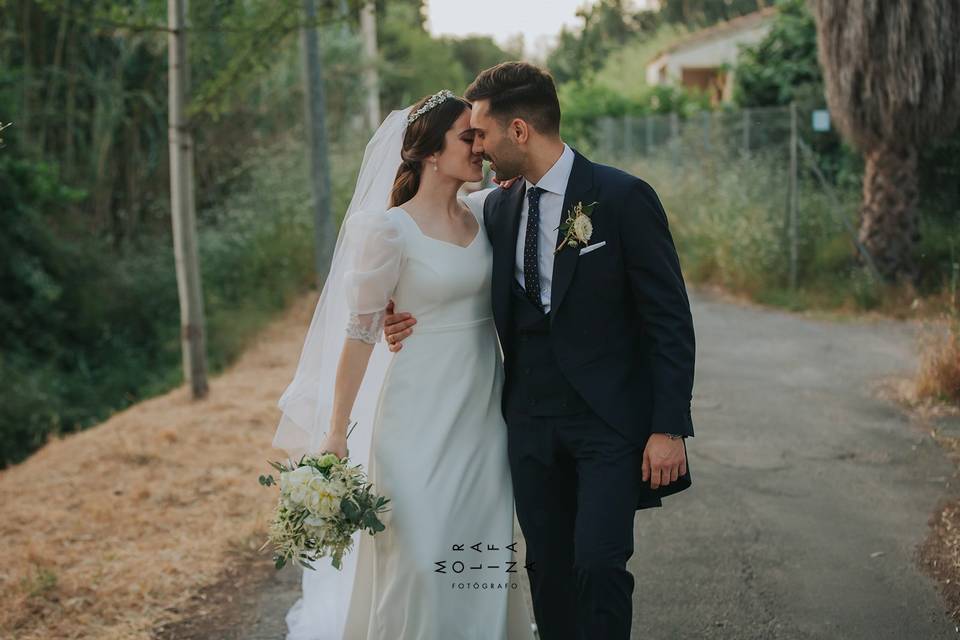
[556, 178]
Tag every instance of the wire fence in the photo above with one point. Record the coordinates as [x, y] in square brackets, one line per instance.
[701, 132]
[775, 164]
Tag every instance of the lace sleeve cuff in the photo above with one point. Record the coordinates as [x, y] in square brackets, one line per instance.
[366, 326]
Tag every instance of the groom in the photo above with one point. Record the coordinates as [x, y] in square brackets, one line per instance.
[598, 347]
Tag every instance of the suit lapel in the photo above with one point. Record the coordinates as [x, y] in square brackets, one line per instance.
[504, 254]
[565, 261]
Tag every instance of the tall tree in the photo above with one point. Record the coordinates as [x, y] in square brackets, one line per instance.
[701, 13]
[371, 78]
[606, 26]
[782, 66]
[891, 71]
[183, 209]
[315, 111]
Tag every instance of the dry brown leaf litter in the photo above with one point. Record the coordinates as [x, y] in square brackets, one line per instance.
[109, 532]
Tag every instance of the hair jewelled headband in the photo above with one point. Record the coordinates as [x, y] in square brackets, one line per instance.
[436, 99]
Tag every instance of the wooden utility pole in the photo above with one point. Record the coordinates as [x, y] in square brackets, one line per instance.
[314, 109]
[371, 78]
[182, 207]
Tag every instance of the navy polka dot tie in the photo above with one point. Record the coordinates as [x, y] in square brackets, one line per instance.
[531, 270]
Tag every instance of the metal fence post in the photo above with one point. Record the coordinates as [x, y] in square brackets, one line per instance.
[627, 135]
[792, 202]
[746, 130]
[836, 210]
[608, 129]
[649, 127]
[674, 138]
[705, 120]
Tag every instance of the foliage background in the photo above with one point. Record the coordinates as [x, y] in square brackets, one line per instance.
[88, 313]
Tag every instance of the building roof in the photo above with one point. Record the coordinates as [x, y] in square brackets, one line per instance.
[719, 30]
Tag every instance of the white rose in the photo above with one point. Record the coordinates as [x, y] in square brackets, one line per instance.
[328, 505]
[295, 484]
[298, 494]
[582, 228]
[312, 501]
[301, 475]
[322, 496]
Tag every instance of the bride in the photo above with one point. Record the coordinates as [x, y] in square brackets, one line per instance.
[429, 428]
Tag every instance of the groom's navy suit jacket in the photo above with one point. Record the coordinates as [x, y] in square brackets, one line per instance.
[620, 321]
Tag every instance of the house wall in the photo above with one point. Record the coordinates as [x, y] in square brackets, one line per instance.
[704, 54]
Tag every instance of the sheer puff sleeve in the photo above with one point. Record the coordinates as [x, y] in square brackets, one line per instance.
[375, 244]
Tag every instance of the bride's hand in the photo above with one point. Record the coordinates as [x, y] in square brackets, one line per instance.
[335, 443]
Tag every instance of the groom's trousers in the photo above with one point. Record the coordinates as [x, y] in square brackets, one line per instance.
[576, 483]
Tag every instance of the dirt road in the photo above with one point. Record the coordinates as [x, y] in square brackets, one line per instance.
[811, 493]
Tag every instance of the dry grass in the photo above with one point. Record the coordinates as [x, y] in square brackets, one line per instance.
[935, 395]
[939, 374]
[111, 531]
[939, 555]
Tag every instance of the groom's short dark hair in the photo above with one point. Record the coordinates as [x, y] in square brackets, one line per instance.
[519, 90]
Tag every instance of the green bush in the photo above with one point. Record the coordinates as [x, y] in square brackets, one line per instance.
[584, 105]
[730, 231]
[86, 332]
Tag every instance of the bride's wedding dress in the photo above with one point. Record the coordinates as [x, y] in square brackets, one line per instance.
[443, 569]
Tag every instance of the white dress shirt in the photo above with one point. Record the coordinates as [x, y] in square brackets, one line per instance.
[554, 185]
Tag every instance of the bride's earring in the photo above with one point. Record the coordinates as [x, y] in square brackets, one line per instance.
[434, 165]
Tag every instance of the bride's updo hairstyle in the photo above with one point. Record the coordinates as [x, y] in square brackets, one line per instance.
[424, 136]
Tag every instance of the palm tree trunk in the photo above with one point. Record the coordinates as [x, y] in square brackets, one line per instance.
[889, 220]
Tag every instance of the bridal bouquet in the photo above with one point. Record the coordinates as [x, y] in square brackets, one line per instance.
[323, 501]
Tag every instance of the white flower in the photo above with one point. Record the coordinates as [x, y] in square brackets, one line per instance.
[309, 520]
[297, 495]
[325, 504]
[312, 501]
[294, 485]
[322, 497]
[301, 475]
[582, 228]
[329, 506]
[578, 227]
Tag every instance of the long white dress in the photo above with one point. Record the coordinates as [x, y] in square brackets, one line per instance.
[442, 569]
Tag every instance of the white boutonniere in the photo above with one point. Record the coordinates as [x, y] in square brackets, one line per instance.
[578, 227]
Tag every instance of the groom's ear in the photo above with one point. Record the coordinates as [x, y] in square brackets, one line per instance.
[519, 130]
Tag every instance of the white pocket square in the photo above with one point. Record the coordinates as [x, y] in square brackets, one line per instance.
[591, 247]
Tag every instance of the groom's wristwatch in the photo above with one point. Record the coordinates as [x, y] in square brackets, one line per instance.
[675, 436]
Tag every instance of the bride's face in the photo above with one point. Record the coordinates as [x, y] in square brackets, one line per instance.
[457, 160]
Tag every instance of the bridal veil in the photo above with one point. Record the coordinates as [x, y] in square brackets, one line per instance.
[307, 402]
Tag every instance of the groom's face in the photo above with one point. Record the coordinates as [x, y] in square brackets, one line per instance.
[494, 140]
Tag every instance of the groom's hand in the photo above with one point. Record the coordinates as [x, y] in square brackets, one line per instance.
[396, 327]
[664, 460]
